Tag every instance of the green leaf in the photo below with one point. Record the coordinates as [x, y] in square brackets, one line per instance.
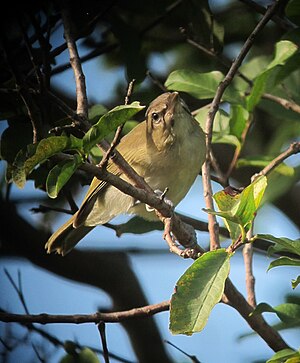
[60, 175]
[137, 225]
[239, 209]
[284, 261]
[227, 129]
[283, 51]
[281, 244]
[27, 160]
[86, 355]
[280, 180]
[292, 11]
[198, 290]
[95, 112]
[200, 85]
[296, 282]
[287, 313]
[108, 123]
[238, 120]
[284, 356]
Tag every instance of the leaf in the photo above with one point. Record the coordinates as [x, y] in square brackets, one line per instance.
[238, 120]
[200, 85]
[137, 225]
[198, 290]
[283, 51]
[281, 244]
[287, 313]
[60, 175]
[27, 160]
[284, 356]
[95, 112]
[227, 129]
[284, 261]
[292, 11]
[86, 355]
[108, 123]
[239, 209]
[296, 282]
[280, 180]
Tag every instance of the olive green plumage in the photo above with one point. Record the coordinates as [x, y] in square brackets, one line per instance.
[167, 150]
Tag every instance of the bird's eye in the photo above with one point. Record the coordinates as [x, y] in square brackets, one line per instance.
[155, 116]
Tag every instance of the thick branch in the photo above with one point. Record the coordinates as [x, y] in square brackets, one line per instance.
[235, 299]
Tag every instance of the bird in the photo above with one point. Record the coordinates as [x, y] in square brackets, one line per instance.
[167, 149]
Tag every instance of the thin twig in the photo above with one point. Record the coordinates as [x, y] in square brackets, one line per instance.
[250, 279]
[193, 358]
[294, 148]
[45, 209]
[59, 343]
[117, 137]
[18, 288]
[101, 328]
[289, 105]
[225, 62]
[113, 317]
[81, 96]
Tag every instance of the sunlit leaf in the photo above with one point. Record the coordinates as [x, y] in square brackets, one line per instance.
[239, 208]
[198, 290]
[283, 51]
[200, 85]
[27, 160]
[60, 175]
[108, 123]
[284, 356]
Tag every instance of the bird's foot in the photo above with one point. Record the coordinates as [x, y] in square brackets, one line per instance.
[162, 196]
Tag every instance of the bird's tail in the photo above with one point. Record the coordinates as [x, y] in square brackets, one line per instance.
[66, 237]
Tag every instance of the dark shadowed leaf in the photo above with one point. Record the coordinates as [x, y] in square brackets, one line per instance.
[60, 175]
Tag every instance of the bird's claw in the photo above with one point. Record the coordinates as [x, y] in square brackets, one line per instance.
[162, 196]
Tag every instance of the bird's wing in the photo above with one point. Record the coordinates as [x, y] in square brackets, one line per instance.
[98, 186]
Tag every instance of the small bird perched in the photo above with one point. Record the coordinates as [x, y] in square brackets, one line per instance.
[167, 150]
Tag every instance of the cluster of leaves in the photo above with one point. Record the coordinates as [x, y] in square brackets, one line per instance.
[36, 154]
[202, 285]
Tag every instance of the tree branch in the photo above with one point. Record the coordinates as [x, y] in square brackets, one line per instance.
[82, 103]
[113, 317]
[212, 221]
